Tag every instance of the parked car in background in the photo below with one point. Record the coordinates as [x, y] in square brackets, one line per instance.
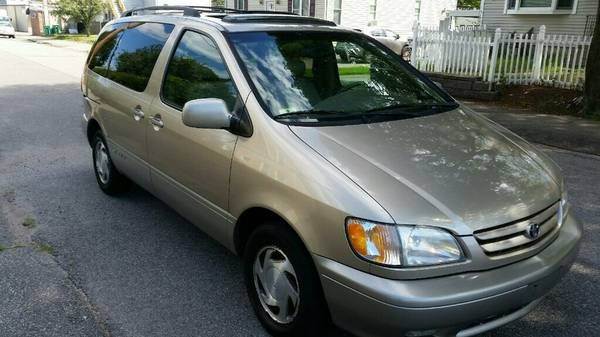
[6, 29]
[391, 39]
[357, 192]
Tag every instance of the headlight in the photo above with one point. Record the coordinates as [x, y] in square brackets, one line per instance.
[401, 245]
[563, 207]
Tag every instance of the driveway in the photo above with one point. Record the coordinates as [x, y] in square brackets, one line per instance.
[75, 262]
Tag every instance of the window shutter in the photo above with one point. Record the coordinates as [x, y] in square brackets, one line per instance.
[290, 6]
[312, 8]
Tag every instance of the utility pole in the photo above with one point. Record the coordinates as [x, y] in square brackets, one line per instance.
[46, 15]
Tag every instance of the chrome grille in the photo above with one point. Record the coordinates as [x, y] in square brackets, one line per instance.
[514, 236]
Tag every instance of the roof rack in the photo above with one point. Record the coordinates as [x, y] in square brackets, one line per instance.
[273, 17]
[196, 11]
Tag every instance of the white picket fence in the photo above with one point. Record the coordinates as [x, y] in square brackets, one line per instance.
[554, 60]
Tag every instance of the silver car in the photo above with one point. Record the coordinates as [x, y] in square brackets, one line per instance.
[355, 193]
[6, 29]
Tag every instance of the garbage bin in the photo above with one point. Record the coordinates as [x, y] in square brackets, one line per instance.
[47, 30]
[55, 29]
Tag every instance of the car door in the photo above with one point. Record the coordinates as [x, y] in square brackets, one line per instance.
[123, 96]
[191, 166]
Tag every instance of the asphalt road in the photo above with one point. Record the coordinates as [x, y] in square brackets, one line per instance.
[75, 262]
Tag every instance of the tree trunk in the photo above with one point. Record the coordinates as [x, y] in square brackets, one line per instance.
[591, 92]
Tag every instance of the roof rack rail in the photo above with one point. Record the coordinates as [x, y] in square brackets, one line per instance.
[187, 11]
[196, 11]
[277, 18]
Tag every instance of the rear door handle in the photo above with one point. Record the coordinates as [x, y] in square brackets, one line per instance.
[138, 113]
[157, 122]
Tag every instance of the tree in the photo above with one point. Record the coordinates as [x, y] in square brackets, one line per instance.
[591, 92]
[469, 4]
[83, 11]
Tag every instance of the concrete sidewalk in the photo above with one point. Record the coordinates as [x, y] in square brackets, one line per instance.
[75, 46]
[566, 132]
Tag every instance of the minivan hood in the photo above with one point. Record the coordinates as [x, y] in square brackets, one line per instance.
[454, 169]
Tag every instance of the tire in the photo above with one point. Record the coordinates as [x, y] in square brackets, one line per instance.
[406, 53]
[109, 179]
[270, 246]
[12, 36]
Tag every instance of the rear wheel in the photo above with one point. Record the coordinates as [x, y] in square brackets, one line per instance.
[282, 283]
[109, 179]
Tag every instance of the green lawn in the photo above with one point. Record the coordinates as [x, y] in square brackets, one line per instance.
[76, 37]
[346, 69]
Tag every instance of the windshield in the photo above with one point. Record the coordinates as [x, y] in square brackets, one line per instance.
[317, 76]
[5, 23]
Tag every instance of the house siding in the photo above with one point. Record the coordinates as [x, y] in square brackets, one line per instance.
[282, 6]
[574, 24]
[129, 4]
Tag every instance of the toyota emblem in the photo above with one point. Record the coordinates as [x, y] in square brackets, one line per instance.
[532, 231]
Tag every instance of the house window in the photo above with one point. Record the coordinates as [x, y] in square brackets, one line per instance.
[240, 4]
[373, 10]
[565, 4]
[301, 7]
[541, 6]
[337, 11]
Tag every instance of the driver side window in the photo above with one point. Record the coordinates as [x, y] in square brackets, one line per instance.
[197, 70]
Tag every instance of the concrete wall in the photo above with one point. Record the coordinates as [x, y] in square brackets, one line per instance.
[494, 17]
[19, 19]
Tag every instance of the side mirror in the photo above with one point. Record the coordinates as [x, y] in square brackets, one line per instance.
[206, 113]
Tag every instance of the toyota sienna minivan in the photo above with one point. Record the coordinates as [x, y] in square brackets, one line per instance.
[356, 192]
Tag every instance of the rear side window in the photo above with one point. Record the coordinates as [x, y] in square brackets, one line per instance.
[103, 48]
[197, 70]
[137, 51]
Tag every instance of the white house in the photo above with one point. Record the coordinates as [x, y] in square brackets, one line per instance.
[575, 17]
[129, 4]
[398, 15]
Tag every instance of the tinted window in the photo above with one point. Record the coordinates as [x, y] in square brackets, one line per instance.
[197, 70]
[102, 49]
[139, 46]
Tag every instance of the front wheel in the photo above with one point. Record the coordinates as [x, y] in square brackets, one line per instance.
[283, 284]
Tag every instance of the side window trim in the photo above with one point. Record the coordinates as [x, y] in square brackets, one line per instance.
[172, 53]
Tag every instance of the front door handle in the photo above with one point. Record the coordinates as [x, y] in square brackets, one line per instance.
[138, 113]
[157, 122]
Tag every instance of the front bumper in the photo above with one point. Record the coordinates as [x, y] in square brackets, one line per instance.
[462, 305]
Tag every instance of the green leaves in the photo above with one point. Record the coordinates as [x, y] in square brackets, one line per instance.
[469, 4]
[83, 11]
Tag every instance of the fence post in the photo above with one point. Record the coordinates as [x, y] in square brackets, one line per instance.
[495, 47]
[415, 45]
[537, 58]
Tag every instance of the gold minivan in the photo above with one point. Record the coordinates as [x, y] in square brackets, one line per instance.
[355, 190]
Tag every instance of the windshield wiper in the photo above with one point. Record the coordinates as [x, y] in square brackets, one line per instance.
[308, 114]
[412, 109]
